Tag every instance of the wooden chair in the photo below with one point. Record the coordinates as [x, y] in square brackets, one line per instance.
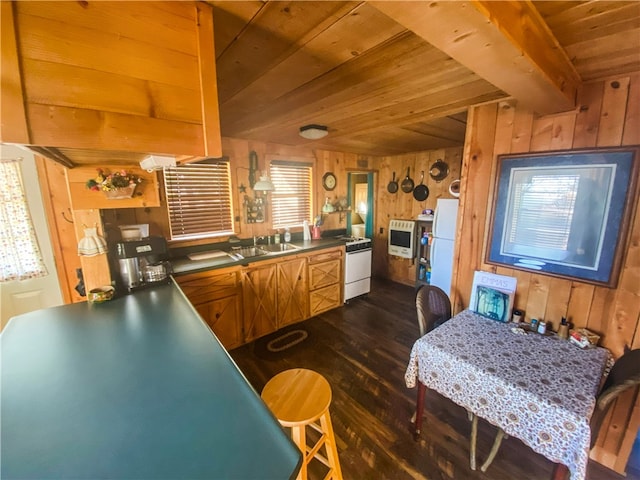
[624, 375]
[433, 308]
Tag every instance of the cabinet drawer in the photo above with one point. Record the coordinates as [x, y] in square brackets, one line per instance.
[325, 273]
[326, 255]
[324, 299]
[206, 286]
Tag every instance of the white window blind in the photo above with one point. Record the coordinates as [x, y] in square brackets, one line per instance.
[199, 199]
[291, 201]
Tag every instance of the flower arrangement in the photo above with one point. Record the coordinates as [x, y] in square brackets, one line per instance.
[112, 181]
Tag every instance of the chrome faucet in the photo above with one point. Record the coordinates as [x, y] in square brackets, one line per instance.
[261, 237]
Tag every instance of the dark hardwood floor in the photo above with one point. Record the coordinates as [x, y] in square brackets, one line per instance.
[362, 349]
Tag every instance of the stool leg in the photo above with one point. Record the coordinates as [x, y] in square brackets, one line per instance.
[331, 447]
[298, 435]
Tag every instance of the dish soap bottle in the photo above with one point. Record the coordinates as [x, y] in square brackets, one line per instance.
[287, 235]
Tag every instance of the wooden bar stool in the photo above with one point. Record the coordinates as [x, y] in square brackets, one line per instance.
[299, 398]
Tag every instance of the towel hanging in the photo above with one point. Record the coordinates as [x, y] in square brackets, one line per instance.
[91, 244]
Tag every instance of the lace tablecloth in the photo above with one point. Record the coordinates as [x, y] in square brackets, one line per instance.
[540, 389]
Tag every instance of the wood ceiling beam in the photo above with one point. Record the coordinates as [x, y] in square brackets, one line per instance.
[505, 42]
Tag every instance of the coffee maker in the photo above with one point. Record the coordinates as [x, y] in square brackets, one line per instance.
[141, 263]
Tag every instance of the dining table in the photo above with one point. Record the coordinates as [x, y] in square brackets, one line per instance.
[538, 388]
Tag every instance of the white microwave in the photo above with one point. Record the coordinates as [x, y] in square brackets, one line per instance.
[402, 237]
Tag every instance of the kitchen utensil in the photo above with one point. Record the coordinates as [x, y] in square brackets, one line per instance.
[407, 184]
[393, 184]
[439, 170]
[421, 192]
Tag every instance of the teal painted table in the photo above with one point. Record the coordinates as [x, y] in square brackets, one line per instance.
[134, 388]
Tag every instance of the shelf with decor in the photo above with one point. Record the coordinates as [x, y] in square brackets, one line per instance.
[112, 186]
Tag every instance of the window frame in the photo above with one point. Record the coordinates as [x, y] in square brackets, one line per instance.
[226, 227]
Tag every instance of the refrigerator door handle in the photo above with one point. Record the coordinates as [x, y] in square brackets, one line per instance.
[434, 228]
[432, 251]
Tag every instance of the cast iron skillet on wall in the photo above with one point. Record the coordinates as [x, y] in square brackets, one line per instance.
[393, 184]
[421, 192]
[439, 170]
[407, 183]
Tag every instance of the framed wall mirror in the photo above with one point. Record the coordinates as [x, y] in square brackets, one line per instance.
[564, 214]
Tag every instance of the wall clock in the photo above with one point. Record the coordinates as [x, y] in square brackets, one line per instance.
[329, 181]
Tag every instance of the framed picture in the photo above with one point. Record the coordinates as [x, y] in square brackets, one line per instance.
[564, 214]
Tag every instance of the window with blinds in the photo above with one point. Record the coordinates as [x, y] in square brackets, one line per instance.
[291, 202]
[199, 200]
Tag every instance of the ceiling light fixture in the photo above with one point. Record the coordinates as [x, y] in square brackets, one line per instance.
[314, 132]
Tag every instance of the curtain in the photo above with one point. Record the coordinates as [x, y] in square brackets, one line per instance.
[20, 257]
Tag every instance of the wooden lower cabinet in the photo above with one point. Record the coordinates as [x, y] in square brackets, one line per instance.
[216, 295]
[292, 302]
[325, 281]
[241, 304]
[222, 316]
[259, 301]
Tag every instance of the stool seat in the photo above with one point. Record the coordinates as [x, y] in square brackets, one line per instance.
[298, 398]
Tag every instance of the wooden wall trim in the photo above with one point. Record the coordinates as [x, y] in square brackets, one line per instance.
[208, 88]
[13, 119]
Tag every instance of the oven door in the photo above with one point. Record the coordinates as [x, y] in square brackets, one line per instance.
[357, 265]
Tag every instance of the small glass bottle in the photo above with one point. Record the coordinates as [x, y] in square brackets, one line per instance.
[287, 235]
[542, 327]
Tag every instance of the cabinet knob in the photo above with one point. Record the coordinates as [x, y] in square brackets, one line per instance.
[217, 315]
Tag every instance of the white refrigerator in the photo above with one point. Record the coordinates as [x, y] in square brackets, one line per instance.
[441, 254]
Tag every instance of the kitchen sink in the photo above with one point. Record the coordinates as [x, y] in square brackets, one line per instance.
[247, 252]
[278, 247]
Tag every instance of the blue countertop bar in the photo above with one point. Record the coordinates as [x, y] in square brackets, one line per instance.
[134, 388]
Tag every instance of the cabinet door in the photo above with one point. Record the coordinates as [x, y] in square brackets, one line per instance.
[292, 304]
[222, 316]
[259, 301]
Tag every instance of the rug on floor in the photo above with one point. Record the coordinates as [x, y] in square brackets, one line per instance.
[282, 343]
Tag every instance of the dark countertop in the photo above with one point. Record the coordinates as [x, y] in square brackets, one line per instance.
[182, 265]
[134, 388]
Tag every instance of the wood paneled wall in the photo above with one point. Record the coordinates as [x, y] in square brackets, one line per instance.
[403, 206]
[608, 115]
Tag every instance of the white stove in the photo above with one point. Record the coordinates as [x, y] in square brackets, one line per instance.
[357, 267]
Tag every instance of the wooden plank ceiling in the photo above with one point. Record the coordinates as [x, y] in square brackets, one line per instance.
[396, 77]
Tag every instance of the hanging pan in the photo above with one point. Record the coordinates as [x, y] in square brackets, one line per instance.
[407, 184]
[421, 192]
[393, 184]
[439, 170]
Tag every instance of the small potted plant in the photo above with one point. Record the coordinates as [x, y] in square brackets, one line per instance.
[116, 185]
